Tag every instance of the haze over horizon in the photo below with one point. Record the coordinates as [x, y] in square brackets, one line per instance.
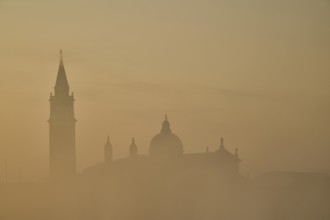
[256, 73]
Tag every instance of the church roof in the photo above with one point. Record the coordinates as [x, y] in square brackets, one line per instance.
[225, 153]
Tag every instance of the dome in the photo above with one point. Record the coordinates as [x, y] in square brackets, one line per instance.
[166, 143]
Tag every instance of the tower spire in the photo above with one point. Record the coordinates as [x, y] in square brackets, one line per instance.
[61, 85]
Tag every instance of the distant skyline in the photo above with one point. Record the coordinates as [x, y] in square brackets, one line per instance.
[256, 73]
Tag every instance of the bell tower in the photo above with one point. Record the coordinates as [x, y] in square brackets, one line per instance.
[62, 144]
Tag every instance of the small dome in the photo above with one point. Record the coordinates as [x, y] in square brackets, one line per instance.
[166, 143]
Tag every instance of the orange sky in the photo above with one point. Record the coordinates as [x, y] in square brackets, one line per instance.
[255, 72]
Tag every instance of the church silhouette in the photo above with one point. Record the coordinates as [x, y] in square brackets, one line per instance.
[165, 147]
[164, 184]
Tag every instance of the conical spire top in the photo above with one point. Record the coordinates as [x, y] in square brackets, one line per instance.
[61, 80]
[107, 143]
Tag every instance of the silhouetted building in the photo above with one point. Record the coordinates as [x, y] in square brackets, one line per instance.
[163, 184]
[166, 150]
[62, 146]
[166, 184]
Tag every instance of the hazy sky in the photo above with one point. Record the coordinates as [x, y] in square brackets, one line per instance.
[256, 72]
